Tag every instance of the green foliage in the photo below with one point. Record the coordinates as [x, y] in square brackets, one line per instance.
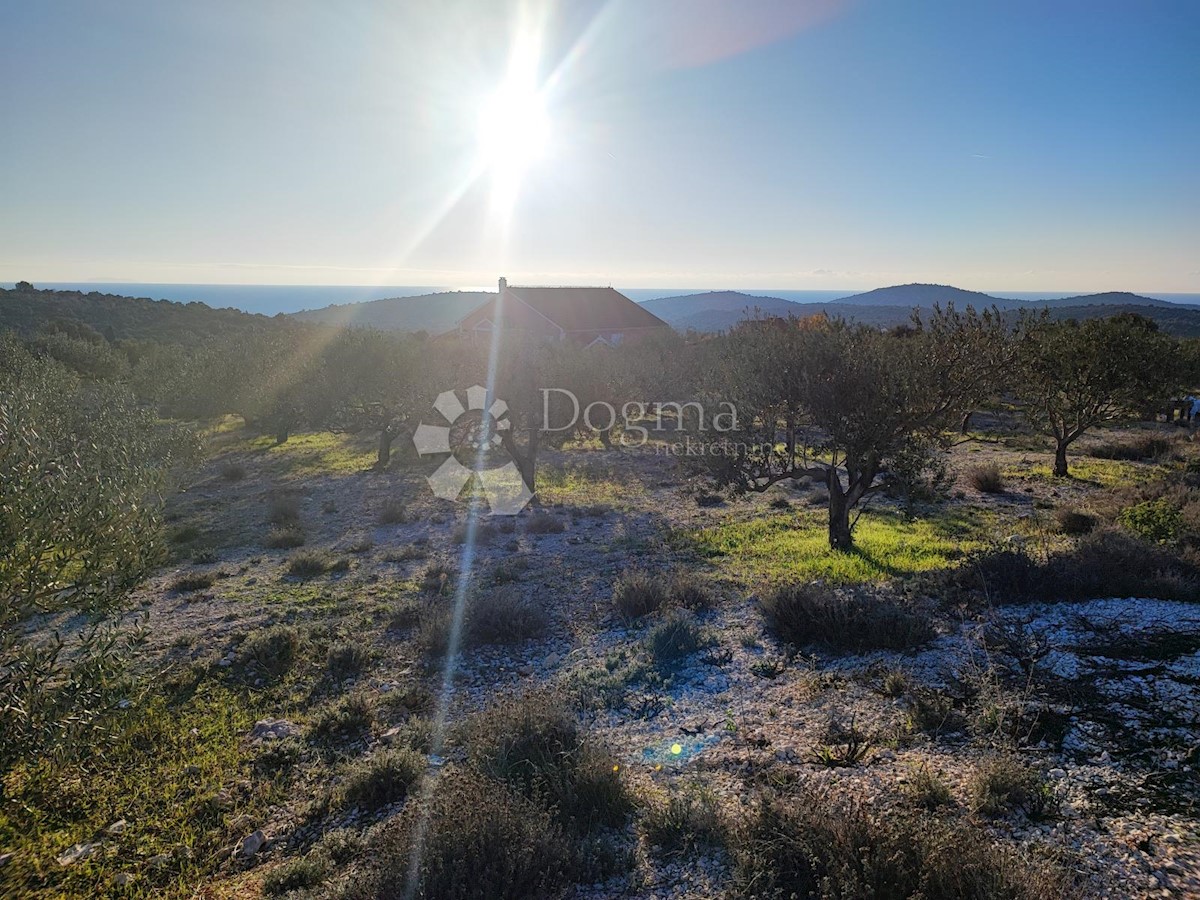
[346, 659]
[82, 468]
[380, 780]
[674, 639]
[1160, 521]
[272, 651]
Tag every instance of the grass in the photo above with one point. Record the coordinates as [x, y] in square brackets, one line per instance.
[380, 780]
[796, 547]
[162, 774]
[1003, 783]
[1102, 472]
[193, 581]
[578, 486]
[686, 820]
[805, 614]
[317, 453]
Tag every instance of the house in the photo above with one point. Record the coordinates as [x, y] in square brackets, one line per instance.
[583, 315]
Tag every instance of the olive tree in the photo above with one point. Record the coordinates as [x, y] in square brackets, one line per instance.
[1074, 376]
[81, 471]
[849, 401]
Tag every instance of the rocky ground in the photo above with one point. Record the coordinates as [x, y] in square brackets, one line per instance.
[1100, 697]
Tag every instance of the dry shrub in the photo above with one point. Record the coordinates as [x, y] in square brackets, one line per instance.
[803, 614]
[811, 846]
[639, 593]
[1072, 521]
[986, 479]
[284, 537]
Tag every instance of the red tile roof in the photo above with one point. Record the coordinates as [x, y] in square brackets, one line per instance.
[576, 309]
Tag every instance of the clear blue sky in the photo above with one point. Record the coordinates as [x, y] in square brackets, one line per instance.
[1021, 145]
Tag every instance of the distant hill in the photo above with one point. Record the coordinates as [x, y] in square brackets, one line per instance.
[718, 302]
[923, 295]
[1111, 298]
[428, 312]
[27, 310]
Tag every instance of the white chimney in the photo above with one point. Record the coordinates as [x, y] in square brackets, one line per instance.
[503, 283]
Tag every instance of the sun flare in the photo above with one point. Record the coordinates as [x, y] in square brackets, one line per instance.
[514, 132]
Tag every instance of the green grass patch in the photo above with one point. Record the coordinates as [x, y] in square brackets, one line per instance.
[177, 775]
[317, 453]
[579, 486]
[1102, 472]
[796, 547]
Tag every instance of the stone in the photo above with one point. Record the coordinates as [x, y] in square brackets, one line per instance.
[551, 660]
[273, 730]
[123, 879]
[1057, 774]
[525, 670]
[75, 853]
[117, 827]
[250, 844]
[5, 858]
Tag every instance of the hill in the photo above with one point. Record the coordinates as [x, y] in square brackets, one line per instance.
[428, 312]
[924, 295]
[27, 310]
[1110, 298]
[719, 302]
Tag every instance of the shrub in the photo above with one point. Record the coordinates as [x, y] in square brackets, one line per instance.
[1071, 521]
[433, 630]
[707, 499]
[1134, 449]
[689, 593]
[544, 523]
[346, 659]
[673, 639]
[802, 614]
[184, 534]
[933, 712]
[504, 616]
[986, 479]
[307, 565]
[193, 581]
[638, 594]
[380, 780]
[1158, 520]
[341, 845]
[438, 578]
[273, 650]
[348, 716]
[233, 471]
[926, 788]
[284, 537]
[687, 820]
[392, 512]
[296, 874]
[485, 533]
[811, 846]
[1003, 783]
[283, 509]
[403, 616]
[845, 746]
[533, 743]
[479, 841]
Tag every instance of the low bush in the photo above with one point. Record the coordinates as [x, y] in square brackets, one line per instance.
[544, 523]
[637, 594]
[296, 875]
[986, 479]
[927, 788]
[438, 578]
[1002, 784]
[533, 743]
[283, 509]
[273, 651]
[1071, 521]
[193, 581]
[379, 780]
[1160, 521]
[674, 639]
[308, 565]
[346, 659]
[687, 820]
[233, 471]
[348, 716]
[811, 846]
[478, 841]
[505, 616]
[393, 512]
[284, 537]
[1136, 448]
[801, 614]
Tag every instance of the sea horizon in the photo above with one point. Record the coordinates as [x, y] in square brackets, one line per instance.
[273, 299]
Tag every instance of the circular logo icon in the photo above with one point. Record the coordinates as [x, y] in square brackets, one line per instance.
[474, 448]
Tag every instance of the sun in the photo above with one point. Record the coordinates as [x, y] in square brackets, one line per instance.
[514, 132]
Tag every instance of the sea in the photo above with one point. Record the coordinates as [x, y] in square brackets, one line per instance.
[269, 299]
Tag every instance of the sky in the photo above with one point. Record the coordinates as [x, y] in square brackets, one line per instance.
[809, 144]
